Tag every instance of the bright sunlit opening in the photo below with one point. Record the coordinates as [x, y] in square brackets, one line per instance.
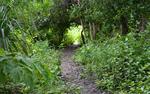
[73, 35]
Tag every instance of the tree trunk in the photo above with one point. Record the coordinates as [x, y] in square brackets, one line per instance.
[124, 25]
[90, 33]
[81, 22]
[94, 31]
[82, 35]
[143, 23]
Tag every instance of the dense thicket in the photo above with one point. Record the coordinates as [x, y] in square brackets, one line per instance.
[37, 73]
[118, 59]
[27, 64]
[119, 65]
[116, 33]
[98, 17]
[49, 19]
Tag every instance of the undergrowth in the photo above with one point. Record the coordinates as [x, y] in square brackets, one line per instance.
[120, 65]
[37, 73]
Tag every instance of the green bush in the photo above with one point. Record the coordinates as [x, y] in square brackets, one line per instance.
[121, 64]
[36, 74]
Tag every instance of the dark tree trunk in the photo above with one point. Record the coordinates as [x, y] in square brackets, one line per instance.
[83, 38]
[124, 25]
[82, 35]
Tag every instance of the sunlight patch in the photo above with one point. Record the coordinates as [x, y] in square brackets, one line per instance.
[73, 35]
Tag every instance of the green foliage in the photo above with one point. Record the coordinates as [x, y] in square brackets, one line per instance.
[108, 14]
[57, 21]
[37, 73]
[120, 64]
[18, 20]
[28, 65]
[73, 35]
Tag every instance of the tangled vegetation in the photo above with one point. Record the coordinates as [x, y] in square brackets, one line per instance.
[28, 62]
[37, 73]
[119, 65]
[114, 35]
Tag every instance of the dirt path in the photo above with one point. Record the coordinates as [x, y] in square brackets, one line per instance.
[71, 73]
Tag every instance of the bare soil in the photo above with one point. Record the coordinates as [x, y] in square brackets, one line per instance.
[71, 73]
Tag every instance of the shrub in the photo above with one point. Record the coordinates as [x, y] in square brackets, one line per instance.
[121, 64]
[36, 74]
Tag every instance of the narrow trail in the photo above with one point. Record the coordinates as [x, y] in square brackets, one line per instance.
[71, 73]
